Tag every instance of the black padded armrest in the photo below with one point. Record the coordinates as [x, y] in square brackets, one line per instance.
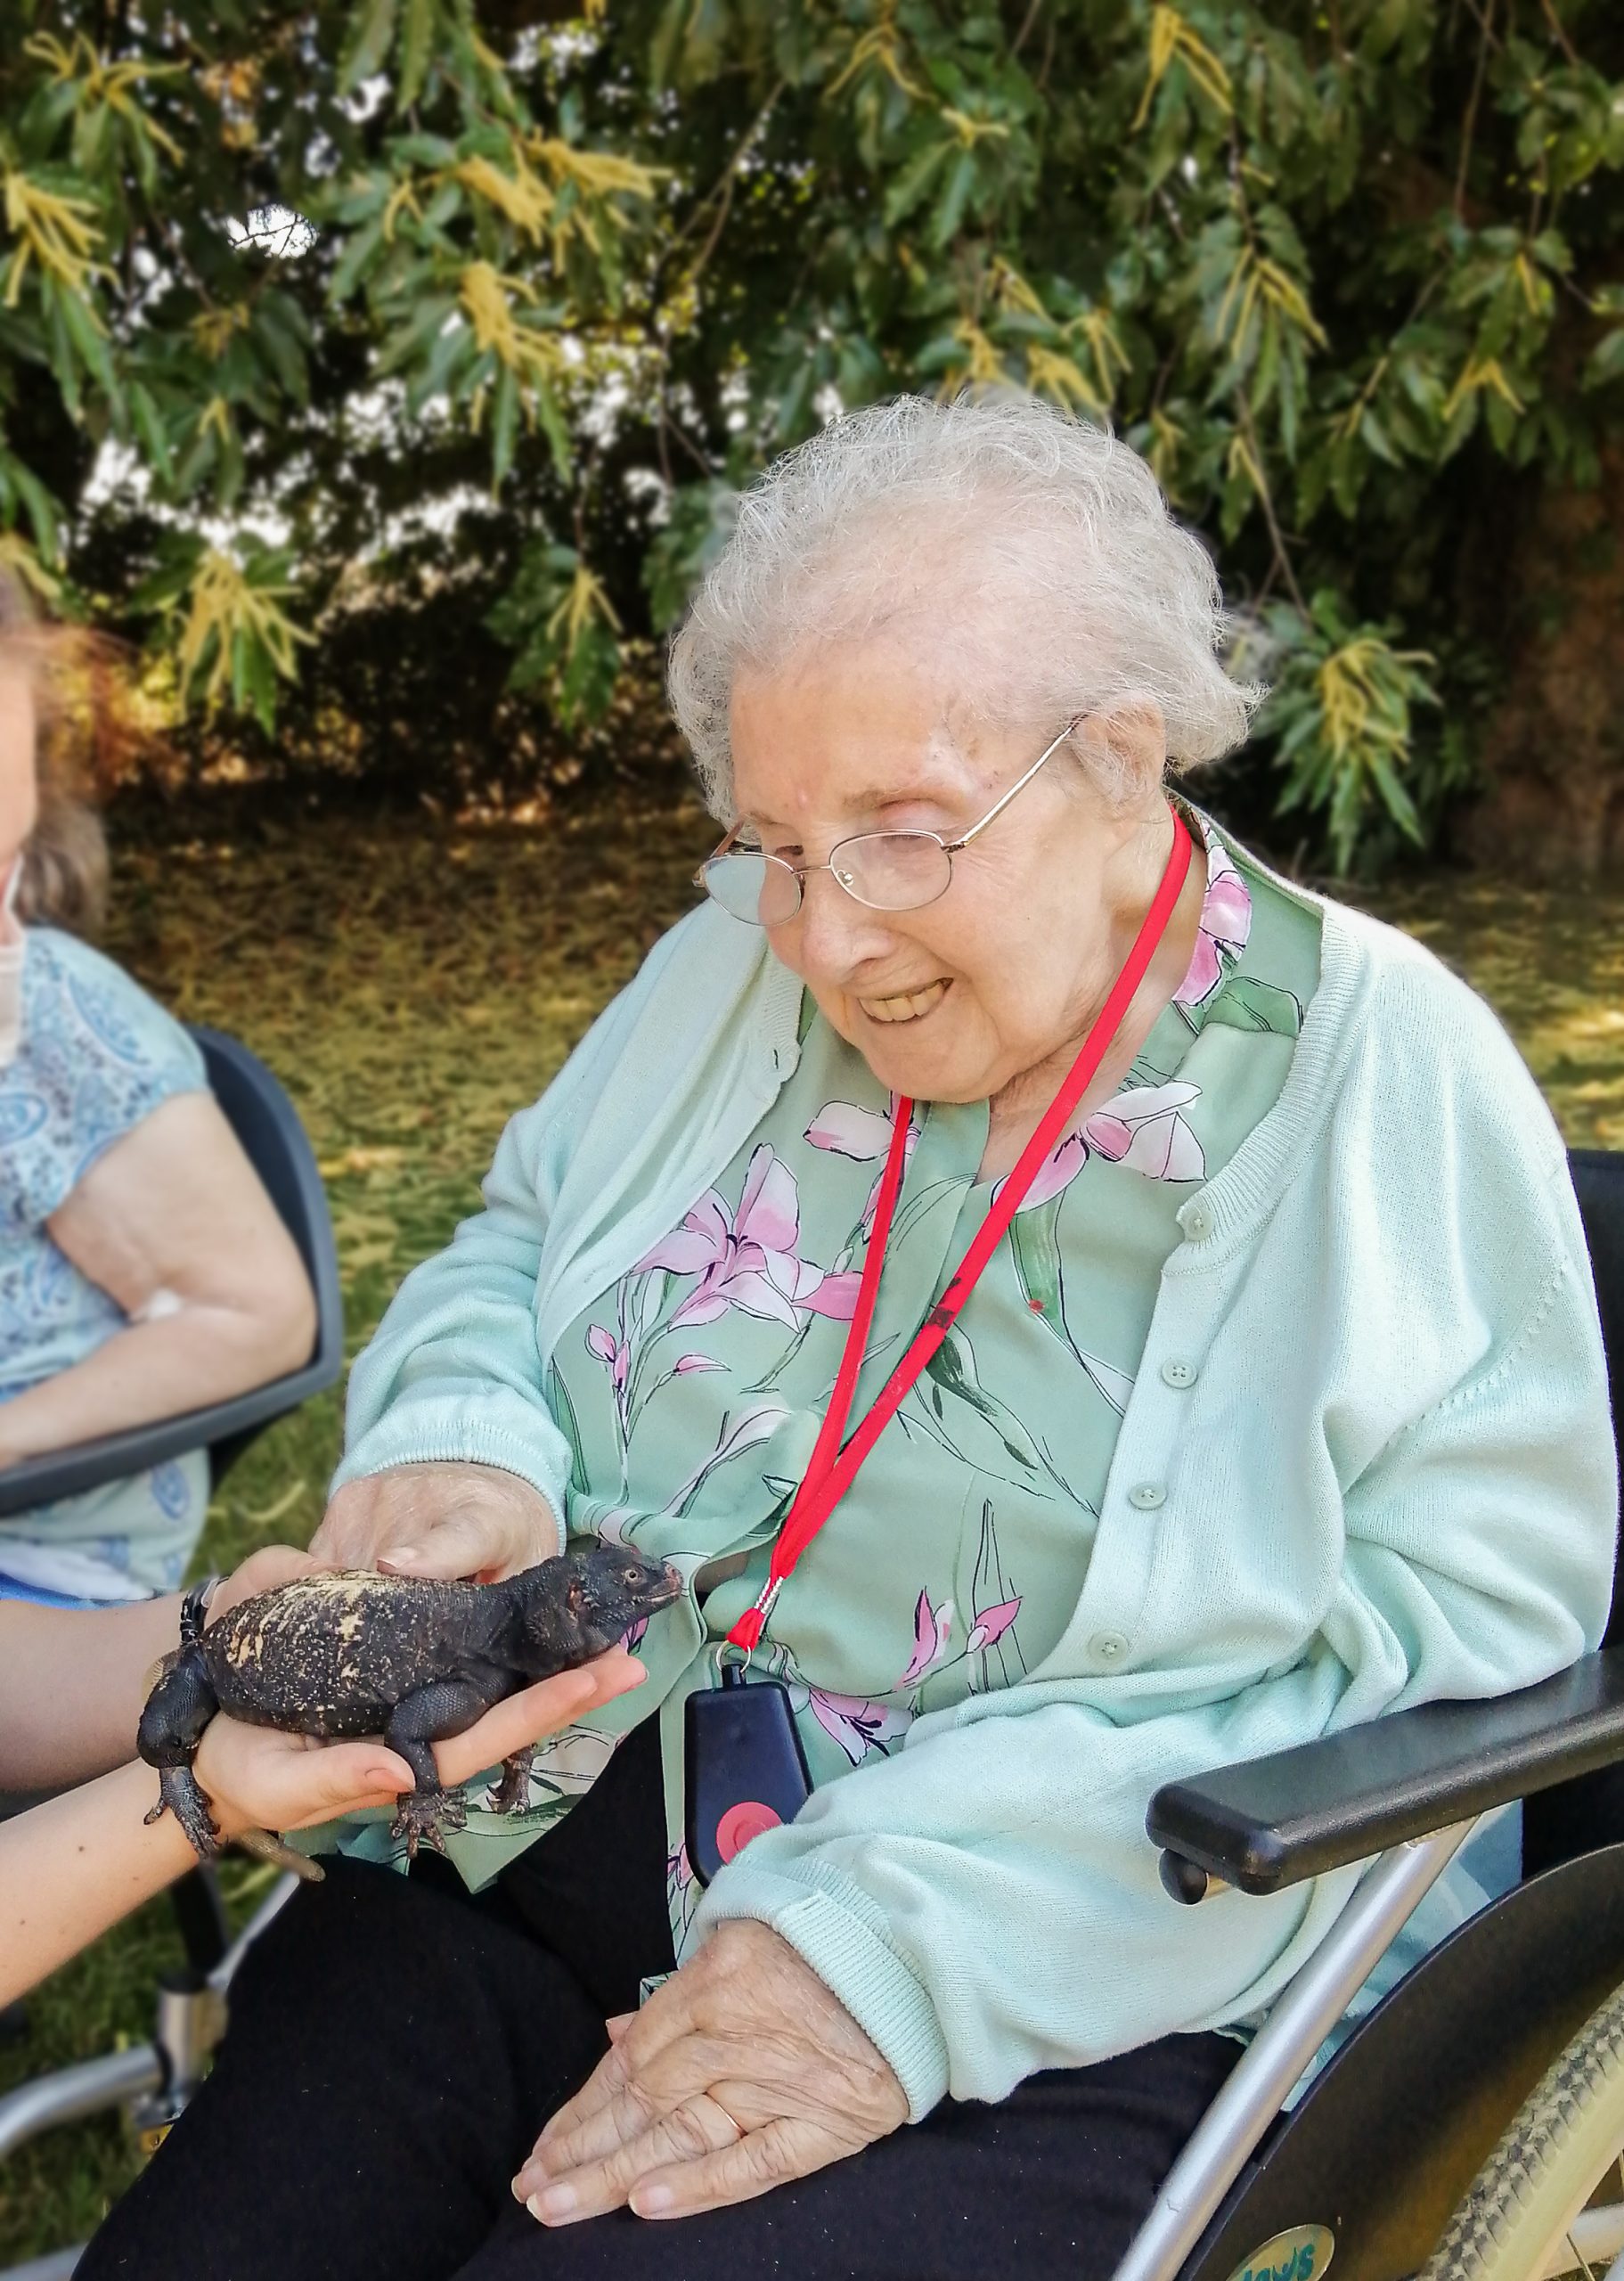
[115, 1457]
[1270, 1822]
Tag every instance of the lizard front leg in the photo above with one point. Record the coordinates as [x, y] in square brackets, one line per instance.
[428, 1716]
[512, 1793]
[172, 1723]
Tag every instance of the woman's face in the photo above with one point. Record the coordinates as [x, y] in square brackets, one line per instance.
[953, 1002]
[18, 799]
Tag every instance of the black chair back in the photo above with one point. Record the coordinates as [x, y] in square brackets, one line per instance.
[267, 1126]
[1577, 1817]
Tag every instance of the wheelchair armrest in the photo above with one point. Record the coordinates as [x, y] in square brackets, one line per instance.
[1270, 1822]
[114, 1457]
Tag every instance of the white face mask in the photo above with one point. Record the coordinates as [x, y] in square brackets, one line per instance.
[12, 947]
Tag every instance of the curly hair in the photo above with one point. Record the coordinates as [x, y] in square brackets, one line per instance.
[83, 732]
[1033, 549]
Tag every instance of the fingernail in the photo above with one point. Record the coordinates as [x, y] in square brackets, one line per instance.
[557, 2201]
[406, 1557]
[652, 2201]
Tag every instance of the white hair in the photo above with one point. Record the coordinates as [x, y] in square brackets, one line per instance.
[1031, 550]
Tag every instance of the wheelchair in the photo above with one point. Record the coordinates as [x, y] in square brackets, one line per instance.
[1470, 2127]
[153, 2080]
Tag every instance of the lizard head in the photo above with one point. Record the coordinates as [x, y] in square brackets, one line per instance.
[600, 1594]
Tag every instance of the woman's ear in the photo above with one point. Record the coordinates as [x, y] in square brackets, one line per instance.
[1131, 739]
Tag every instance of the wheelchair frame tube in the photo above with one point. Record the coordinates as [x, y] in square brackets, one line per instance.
[1299, 2020]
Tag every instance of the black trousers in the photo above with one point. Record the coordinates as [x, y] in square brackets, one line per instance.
[395, 2049]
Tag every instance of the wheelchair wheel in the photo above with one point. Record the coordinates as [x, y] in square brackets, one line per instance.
[1550, 2199]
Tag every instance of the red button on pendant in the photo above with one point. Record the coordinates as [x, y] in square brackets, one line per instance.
[741, 1823]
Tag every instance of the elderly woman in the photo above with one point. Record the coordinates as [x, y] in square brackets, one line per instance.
[1076, 1307]
[144, 1270]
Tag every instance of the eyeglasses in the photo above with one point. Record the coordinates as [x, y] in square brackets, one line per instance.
[887, 870]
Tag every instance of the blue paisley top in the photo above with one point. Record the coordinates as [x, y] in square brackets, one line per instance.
[97, 1057]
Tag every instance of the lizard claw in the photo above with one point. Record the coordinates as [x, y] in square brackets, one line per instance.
[512, 1793]
[428, 1814]
[179, 1793]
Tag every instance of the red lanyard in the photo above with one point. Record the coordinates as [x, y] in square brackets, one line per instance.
[829, 1477]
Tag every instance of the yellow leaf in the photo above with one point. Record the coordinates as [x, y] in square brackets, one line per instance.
[1481, 373]
[972, 131]
[223, 605]
[58, 231]
[1050, 374]
[522, 196]
[985, 367]
[1170, 37]
[598, 173]
[215, 329]
[880, 45]
[585, 601]
[488, 297]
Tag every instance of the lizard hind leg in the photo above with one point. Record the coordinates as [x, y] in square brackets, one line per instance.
[172, 1723]
[180, 1794]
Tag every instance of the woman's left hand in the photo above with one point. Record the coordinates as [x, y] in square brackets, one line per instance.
[742, 2072]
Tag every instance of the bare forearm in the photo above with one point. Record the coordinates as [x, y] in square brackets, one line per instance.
[75, 1681]
[151, 1371]
[70, 1869]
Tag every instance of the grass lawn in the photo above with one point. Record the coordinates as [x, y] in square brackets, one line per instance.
[412, 985]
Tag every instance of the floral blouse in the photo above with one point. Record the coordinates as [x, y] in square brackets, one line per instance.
[691, 1393]
[97, 1057]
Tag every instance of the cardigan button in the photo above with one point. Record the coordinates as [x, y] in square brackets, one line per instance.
[1108, 1647]
[1199, 1224]
[1178, 1373]
[1147, 1496]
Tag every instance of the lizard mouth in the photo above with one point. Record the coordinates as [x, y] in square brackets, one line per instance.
[668, 1588]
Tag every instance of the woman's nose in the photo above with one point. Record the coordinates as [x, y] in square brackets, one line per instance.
[833, 934]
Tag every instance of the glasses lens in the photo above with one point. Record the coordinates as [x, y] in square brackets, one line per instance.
[893, 870]
[756, 888]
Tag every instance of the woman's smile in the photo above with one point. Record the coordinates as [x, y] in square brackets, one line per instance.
[908, 1005]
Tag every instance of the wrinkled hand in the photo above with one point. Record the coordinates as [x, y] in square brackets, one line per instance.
[741, 2072]
[259, 1779]
[438, 1520]
[261, 1571]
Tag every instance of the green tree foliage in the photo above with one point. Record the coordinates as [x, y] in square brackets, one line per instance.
[491, 308]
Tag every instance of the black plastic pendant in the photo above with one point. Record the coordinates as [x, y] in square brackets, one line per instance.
[744, 1769]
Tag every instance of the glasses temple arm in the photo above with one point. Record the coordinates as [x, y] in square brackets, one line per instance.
[952, 846]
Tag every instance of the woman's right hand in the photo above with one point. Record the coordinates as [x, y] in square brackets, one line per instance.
[438, 1520]
[256, 1777]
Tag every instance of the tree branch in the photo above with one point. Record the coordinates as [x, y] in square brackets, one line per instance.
[1469, 123]
[1276, 536]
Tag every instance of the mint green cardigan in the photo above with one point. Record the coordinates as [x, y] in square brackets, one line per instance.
[1389, 1479]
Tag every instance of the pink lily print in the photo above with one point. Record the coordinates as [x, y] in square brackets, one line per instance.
[1143, 1127]
[931, 1629]
[993, 1633]
[991, 1624]
[863, 1134]
[750, 1259]
[857, 1724]
[932, 1626]
[1222, 930]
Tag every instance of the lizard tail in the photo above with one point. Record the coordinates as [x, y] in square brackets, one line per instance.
[265, 1847]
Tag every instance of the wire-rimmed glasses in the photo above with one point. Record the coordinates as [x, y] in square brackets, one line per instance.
[887, 870]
